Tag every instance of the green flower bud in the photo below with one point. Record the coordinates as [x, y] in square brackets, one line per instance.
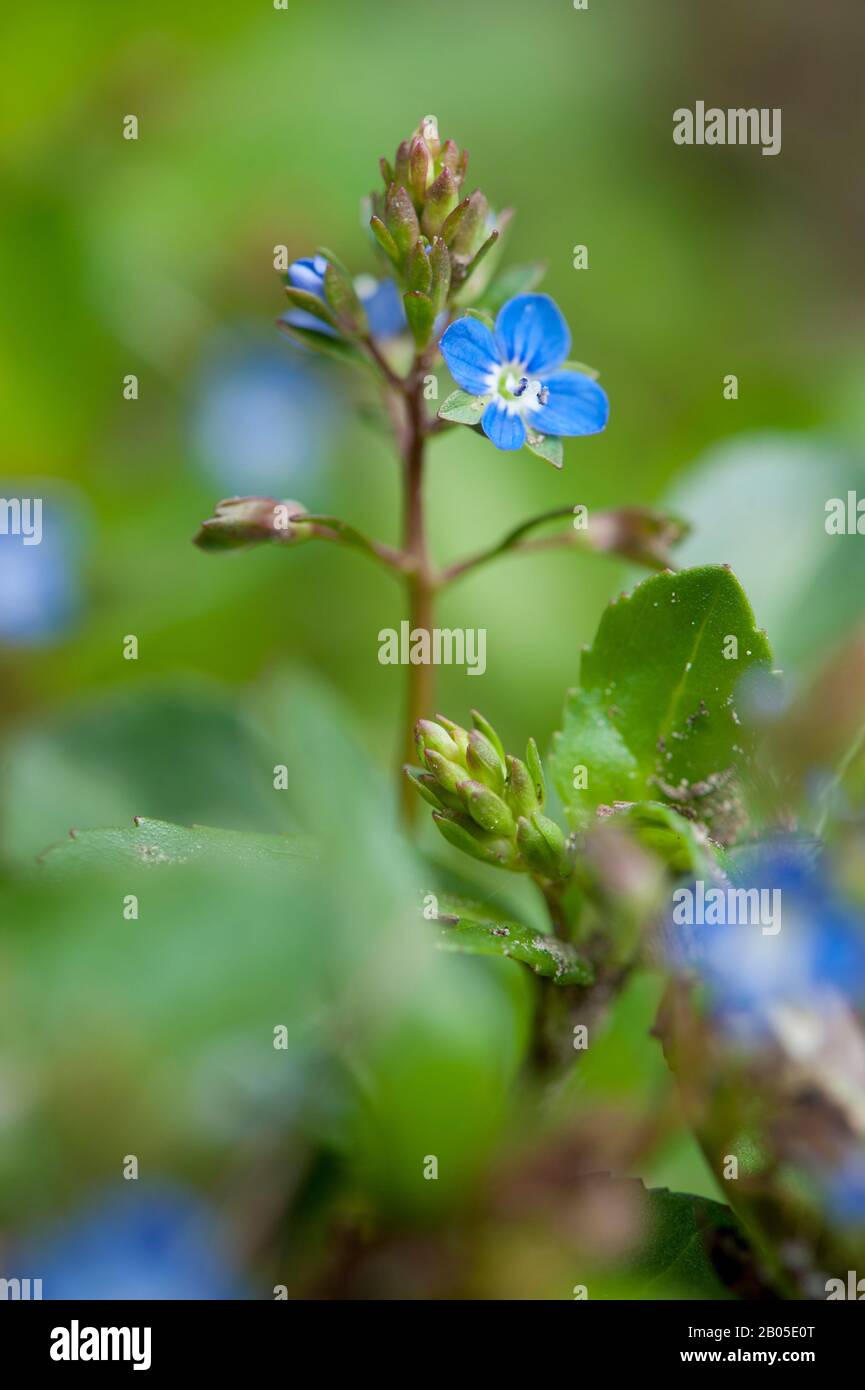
[426, 785]
[490, 849]
[484, 763]
[447, 774]
[454, 159]
[401, 218]
[430, 735]
[458, 734]
[420, 312]
[441, 199]
[420, 170]
[520, 795]
[342, 297]
[418, 269]
[486, 809]
[440, 265]
[401, 163]
[535, 850]
[385, 240]
[490, 802]
[471, 231]
[536, 770]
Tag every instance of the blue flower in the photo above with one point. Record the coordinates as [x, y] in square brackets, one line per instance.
[518, 367]
[40, 584]
[385, 311]
[380, 298]
[162, 1245]
[308, 274]
[262, 416]
[844, 1190]
[814, 960]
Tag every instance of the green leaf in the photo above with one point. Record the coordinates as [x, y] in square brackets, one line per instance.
[519, 279]
[462, 409]
[682, 844]
[155, 842]
[655, 715]
[546, 446]
[688, 1239]
[478, 930]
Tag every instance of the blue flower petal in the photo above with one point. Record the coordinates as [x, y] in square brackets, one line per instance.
[384, 310]
[504, 427]
[308, 274]
[577, 405]
[470, 352]
[531, 330]
[299, 318]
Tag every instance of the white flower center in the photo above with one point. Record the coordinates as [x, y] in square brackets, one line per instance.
[520, 394]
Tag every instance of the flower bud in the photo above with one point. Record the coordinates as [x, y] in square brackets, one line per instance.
[536, 771]
[484, 763]
[440, 265]
[448, 774]
[420, 312]
[521, 796]
[420, 168]
[400, 218]
[401, 163]
[418, 268]
[471, 231]
[385, 240]
[535, 849]
[441, 199]
[486, 809]
[490, 849]
[490, 802]
[431, 735]
[240, 521]
[341, 295]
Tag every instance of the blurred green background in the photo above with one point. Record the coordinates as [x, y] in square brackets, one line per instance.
[155, 257]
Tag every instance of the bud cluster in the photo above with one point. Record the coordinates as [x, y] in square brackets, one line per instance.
[486, 802]
[434, 238]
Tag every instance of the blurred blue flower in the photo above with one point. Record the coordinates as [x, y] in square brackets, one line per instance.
[384, 307]
[845, 1190]
[133, 1245]
[308, 274]
[519, 366]
[816, 957]
[264, 417]
[40, 584]
[380, 298]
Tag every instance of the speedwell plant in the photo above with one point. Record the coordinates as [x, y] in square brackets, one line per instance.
[667, 772]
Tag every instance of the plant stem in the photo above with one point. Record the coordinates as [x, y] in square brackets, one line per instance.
[419, 578]
[555, 907]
